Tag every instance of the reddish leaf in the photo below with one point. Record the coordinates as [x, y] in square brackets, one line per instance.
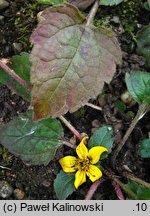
[81, 4]
[70, 61]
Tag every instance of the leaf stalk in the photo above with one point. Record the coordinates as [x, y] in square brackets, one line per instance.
[14, 75]
[92, 13]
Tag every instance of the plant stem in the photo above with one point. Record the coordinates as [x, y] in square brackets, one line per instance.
[94, 106]
[118, 190]
[71, 128]
[123, 186]
[92, 13]
[67, 143]
[137, 180]
[92, 189]
[143, 108]
[14, 75]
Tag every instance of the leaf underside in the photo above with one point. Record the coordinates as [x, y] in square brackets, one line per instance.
[34, 142]
[70, 61]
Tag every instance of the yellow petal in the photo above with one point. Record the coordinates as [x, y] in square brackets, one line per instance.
[94, 173]
[95, 153]
[80, 178]
[68, 163]
[82, 150]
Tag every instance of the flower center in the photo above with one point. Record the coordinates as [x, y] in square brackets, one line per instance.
[82, 164]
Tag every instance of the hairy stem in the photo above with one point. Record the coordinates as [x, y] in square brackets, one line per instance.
[92, 13]
[71, 128]
[14, 75]
[92, 189]
[141, 112]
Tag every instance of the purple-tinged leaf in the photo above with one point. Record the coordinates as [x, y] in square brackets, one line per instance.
[70, 61]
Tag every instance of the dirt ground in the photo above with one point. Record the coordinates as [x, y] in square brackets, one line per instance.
[36, 182]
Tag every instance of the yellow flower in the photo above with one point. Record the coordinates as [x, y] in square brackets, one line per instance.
[83, 165]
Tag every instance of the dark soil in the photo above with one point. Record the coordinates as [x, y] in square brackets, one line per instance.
[37, 181]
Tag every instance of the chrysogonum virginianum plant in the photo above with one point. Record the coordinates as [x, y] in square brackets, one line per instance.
[83, 164]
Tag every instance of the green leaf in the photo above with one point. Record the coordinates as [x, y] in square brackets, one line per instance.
[110, 2]
[34, 142]
[64, 185]
[102, 137]
[120, 105]
[51, 2]
[130, 114]
[21, 65]
[143, 43]
[141, 192]
[70, 61]
[146, 6]
[144, 150]
[145, 194]
[138, 83]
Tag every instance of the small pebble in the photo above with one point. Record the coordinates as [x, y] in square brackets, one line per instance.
[46, 183]
[1, 18]
[17, 47]
[115, 19]
[126, 98]
[95, 123]
[3, 4]
[5, 190]
[19, 194]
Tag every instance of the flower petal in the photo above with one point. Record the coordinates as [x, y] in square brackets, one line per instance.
[82, 150]
[80, 178]
[95, 153]
[68, 163]
[94, 173]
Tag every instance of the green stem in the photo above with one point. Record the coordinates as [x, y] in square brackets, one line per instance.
[141, 112]
[71, 128]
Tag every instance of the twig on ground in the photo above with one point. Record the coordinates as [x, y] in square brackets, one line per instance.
[135, 179]
[94, 106]
[141, 112]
